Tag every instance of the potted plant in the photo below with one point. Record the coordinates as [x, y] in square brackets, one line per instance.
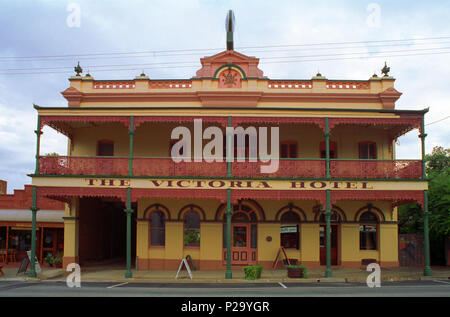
[253, 272]
[57, 260]
[297, 271]
[49, 259]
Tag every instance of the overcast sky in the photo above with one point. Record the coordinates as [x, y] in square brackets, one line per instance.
[58, 28]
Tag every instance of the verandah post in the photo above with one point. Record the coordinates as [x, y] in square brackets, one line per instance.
[327, 147]
[228, 273]
[426, 236]
[34, 210]
[131, 133]
[328, 272]
[128, 211]
[38, 143]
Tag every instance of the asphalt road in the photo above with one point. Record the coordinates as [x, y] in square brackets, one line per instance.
[434, 288]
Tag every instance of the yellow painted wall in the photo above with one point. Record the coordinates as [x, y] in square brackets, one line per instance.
[211, 233]
[152, 140]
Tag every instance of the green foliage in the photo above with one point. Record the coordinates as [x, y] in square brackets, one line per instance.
[253, 272]
[192, 238]
[52, 154]
[411, 216]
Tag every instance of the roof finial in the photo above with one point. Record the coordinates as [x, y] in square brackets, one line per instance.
[385, 70]
[78, 69]
[229, 26]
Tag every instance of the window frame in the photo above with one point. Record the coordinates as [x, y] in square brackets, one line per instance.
[288, 144]
[333, 147]
[297, 224]
[184, 230]
[376, 224]
[368, 144]
[163, 228]
[105, 141]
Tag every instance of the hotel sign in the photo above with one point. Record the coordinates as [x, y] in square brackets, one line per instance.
[228, 184]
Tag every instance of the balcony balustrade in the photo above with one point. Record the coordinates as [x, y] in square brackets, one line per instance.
[288, 168]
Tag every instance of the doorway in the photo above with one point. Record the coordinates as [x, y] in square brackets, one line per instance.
[243, 238]
[334, 245]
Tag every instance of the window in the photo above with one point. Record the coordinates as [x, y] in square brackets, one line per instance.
[333, 150]
[367, 150]
[368, 231]
[192, 229]
[335, 217]
[290, 232]
[157, 229]
[105, 148]
[288, 149]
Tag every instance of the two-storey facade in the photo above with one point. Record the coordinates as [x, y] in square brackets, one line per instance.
[332, 200]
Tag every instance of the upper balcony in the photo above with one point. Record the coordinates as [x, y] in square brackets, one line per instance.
[288, 168]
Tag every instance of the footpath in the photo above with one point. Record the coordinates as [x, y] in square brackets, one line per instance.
[340, 275]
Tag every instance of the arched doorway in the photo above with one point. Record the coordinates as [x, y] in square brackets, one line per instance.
[244, 232]
[337, 217]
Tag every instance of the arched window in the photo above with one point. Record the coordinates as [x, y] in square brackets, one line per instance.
[290, 230]
[335, 217]
[192, 229]
[368, 229]
[157, 228]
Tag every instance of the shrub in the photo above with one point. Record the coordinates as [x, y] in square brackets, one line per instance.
[253, 272]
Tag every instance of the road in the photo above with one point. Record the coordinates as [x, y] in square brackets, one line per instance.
[109, 289]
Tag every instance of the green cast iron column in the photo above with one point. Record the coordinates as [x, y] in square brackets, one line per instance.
[228, 274]
[128, 211]
[38, 143]
[426, 235]
[422, 136]
[327, 147]
[34, 210]
[328, 272]
[130, 156]
[228, 145]
[426, 238]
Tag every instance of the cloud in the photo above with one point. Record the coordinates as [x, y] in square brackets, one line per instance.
[40, 28]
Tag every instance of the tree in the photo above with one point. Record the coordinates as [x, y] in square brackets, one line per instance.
[411, 216]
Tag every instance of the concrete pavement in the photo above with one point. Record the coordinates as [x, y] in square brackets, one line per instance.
[115, 274]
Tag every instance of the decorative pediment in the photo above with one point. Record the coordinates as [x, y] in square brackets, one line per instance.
[213, 65]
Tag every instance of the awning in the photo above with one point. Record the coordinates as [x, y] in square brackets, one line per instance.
[24, 215]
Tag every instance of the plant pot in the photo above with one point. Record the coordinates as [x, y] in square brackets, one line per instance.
[295, 273]
[58, 265]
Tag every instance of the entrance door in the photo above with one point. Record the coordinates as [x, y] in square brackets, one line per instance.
[241, 253]
[334, 243]
[243, 240]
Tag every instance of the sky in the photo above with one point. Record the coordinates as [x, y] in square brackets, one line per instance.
[41, 42]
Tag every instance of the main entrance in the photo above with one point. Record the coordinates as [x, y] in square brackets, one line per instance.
[244, 236]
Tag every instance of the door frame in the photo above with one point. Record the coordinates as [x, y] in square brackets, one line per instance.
[335, 260]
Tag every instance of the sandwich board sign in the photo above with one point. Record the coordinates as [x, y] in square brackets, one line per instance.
[185, 263]
[26, 260]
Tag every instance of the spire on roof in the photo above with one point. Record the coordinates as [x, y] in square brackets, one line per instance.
[229, 26]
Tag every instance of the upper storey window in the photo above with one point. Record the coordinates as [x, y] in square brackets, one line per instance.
[367, 150]
[333, 150]
[105, 148]
[288, 149]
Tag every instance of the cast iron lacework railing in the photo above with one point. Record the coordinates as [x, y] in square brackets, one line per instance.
[164, 166]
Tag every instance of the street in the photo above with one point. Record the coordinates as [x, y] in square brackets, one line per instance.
[436, 288]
